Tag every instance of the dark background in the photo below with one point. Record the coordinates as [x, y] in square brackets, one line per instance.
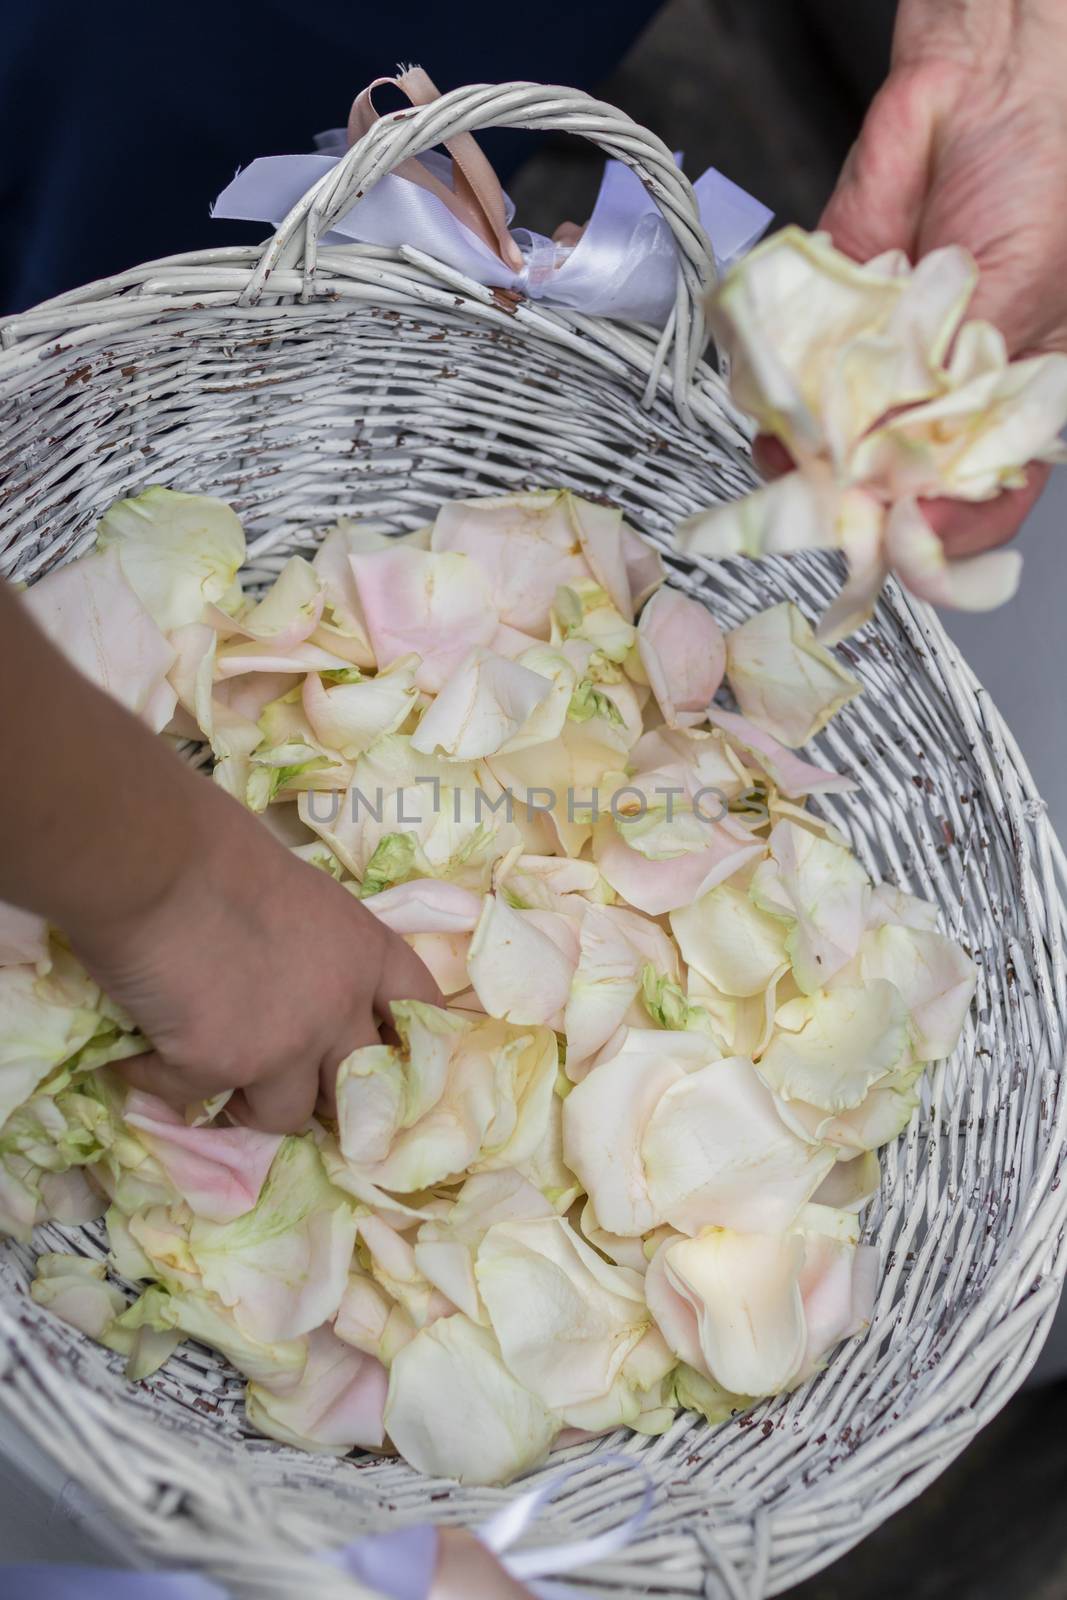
[120, 122]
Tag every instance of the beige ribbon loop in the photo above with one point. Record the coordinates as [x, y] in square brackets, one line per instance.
[476, 198]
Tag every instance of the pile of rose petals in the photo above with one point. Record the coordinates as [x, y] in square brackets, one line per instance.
[884, 398]
[622, 1173]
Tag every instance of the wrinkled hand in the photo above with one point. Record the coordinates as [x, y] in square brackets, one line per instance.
[255, 971]
[966, 143]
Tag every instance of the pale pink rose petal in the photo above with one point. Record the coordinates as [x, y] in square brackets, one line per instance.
[219, 1172]
[600, 534]
[248, 696]
[511, 642]
[606, 1115]
[696, 758]
[659, 886]
[445, 957]
[717, 1154]
[838, 1282]
[93, 617]
[337, 1405]
[787, 771]
[343, 621]
[644, 566]
[917, 556]
[434, 604]
[683, 652]
[673, 1311]
[427, 905]
[525, 544]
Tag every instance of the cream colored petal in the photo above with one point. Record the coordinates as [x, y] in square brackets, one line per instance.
[917, 556]
[481, 708]
[850, 1184]
[605, 1118]
[785, 316]
[565, 1319]
[179, 552]
[519, 971]
[349, 717]
[821, 892]
[785, 682]
[455, 1411]
[796, 512]
[933, 975]
[829, 1049]
[745, 1326]
[729, 940]
[716, 1152]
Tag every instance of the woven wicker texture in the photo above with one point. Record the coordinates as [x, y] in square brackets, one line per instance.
[303, 383]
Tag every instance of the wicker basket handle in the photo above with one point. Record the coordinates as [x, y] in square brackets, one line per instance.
[401, 135]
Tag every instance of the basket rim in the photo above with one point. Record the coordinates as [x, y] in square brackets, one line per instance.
[155, 293]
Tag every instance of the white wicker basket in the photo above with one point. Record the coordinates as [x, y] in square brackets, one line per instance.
[301, 383]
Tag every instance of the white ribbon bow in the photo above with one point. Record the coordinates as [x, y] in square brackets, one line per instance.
[624, 265]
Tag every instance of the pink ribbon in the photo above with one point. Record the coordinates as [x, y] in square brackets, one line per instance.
[474, 196]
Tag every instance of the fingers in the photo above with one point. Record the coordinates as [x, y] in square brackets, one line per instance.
[969, 529]
[878, 201]
[771, 456]
[282, 1104]
[403, 977]
[279, 1105]
[153, 1075]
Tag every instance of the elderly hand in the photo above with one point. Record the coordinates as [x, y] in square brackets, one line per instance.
[966, 143]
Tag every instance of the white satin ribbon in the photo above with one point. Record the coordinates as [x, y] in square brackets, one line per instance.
[624, 266]
[545, 1561]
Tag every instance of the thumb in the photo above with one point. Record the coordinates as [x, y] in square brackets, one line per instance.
[403, 977]
[878, 201]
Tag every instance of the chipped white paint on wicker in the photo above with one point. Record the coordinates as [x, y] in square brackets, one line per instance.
[301, 382]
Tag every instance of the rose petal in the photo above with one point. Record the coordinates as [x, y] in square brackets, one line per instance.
[683, 652]
[715, 1152]
[787, 772]
[917, 556]
[435, 605]
[91, 613]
